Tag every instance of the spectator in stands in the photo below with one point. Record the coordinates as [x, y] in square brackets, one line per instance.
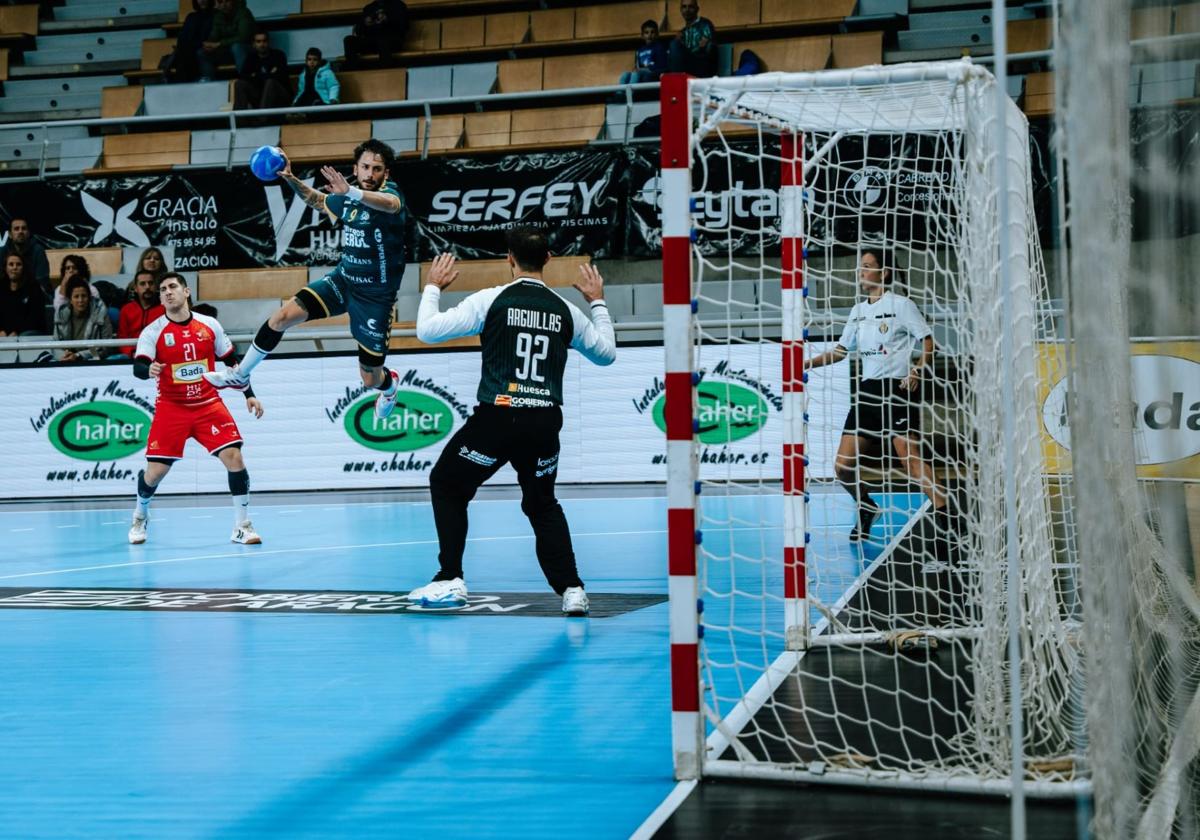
[262, 78]
[151, 260]
[650, 60]
[21, 242]
[72, 265]
[228, 39]
[181, 65]
[139, 312]
[694, 49]
[22, 301]
[317, 84]
[380, 29]
[84, 318]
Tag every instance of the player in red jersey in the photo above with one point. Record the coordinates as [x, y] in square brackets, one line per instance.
[176, 349]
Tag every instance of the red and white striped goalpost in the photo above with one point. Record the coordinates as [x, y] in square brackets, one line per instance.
[683, 535]
[687, 733]
[795, 510]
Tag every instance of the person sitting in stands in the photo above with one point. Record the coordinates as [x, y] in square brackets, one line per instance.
[262, 78]
[694, 49]
[181, 64]
[317, 84]
[22, 301]
[380, 29]
[228, 40]
[141, 311]
[650, 60]
[72, 265]
[84, 318]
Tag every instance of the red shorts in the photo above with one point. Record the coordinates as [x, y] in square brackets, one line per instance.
[210, 424]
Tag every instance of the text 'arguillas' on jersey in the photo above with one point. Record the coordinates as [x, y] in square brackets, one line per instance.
[525, 339]
[525, 329]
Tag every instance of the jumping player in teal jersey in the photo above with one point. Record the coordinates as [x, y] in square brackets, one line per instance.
[365, 282]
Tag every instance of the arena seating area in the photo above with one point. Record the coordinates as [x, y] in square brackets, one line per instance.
[473, 77]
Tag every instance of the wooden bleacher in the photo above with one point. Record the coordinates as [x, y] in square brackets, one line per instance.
[791, 54]
[250, 283]
[571, 125]
[153, 49]
[474, 275]
[323, 142]
[1033, 35]
[1150, 23]
[121, 101]
[445, 132]
[373, 85]
[3, 65]
[1187, 19]
[857, 49]
[148, 152]
[104, 262]
[1039, 94]
[18, 23]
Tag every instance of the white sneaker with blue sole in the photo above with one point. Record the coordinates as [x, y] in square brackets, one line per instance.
[441, 593]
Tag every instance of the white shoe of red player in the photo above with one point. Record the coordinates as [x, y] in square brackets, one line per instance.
[230, 377]
[246, 535]
[383, 403]
[137, 531]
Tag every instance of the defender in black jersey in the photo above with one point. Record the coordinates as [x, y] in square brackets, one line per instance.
[526, 331]
[364, 283]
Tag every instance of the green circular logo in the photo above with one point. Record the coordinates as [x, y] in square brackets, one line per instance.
[417, 421]
[100, 431]
[727, 412]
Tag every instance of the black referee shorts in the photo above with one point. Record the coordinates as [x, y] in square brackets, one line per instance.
[881, 409]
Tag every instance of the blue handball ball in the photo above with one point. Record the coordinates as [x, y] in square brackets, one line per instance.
[266, 162]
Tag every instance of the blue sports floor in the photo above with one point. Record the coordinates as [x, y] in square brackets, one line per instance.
[280, 721]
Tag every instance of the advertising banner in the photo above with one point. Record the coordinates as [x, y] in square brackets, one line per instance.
[82, 431]
[1165, 411]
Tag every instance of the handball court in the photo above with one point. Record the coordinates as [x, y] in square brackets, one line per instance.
[190, 687]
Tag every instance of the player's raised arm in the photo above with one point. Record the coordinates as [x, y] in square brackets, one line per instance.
[593, 338]
[371, 193]
[311, 197]
[465, 319]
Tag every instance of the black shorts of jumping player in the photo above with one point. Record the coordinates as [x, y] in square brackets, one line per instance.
[370, 311]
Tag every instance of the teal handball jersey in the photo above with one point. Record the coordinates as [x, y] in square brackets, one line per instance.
[372, 242]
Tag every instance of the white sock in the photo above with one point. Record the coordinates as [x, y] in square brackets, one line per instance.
[391, 389]
[250, 361]
[142, 510]
[241, 510]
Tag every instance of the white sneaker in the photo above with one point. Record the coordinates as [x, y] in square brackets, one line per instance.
[440, 592]
[137, 531]
[575, 601]
[230, 377]
[245, 534]
[383, 403]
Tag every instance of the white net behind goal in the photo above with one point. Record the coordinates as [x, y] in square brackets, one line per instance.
[880, 660]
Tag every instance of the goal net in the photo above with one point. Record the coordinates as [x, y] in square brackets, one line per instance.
[799, 651]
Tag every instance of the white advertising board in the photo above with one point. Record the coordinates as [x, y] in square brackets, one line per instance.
[81, 430]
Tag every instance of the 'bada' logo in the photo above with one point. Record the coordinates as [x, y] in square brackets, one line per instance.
[417, 421]
[726, 412]
[99, 430]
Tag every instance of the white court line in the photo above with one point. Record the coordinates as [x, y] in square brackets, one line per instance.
[315, 504]
[20, 529]
[259, 553]
[116, 522]
[76, 525]
[663, 812]
[201, 516]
